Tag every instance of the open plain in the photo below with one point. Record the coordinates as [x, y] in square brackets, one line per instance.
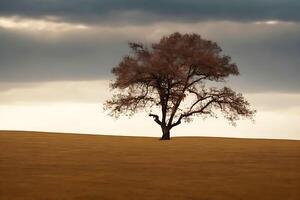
[48, 166]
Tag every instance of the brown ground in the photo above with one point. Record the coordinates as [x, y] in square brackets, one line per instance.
[45, 166]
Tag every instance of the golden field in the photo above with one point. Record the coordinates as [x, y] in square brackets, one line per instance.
[44, 166]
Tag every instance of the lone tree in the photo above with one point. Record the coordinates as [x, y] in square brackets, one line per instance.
[172, 75]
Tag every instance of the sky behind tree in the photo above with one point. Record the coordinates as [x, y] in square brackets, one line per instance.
[61, 52]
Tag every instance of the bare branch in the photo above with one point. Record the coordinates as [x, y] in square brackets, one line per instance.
[156, 118]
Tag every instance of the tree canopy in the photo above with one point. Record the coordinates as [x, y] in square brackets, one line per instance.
[172, 75]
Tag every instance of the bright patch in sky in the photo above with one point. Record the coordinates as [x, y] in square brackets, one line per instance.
[76, 106]
[38, 24]
[272, 22]
[90, 118]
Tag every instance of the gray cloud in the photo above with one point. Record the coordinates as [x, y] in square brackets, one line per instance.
[268, 57]
[268, 64]
[26, 59]
[145, 11]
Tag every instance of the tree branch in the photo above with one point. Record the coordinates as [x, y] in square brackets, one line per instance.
[197, 80]
[200, 110]
[156, 118]
[177, 104]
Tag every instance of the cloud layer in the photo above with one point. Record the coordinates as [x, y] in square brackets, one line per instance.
[145, 11]
[267, 54]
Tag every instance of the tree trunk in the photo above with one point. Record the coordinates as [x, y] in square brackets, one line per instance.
[166, 133]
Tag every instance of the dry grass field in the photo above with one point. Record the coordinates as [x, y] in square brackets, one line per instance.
[44, 166]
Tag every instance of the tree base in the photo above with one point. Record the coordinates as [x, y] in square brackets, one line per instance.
[165, 139]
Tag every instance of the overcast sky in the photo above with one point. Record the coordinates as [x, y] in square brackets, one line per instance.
[51, 40]
[72, 45]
